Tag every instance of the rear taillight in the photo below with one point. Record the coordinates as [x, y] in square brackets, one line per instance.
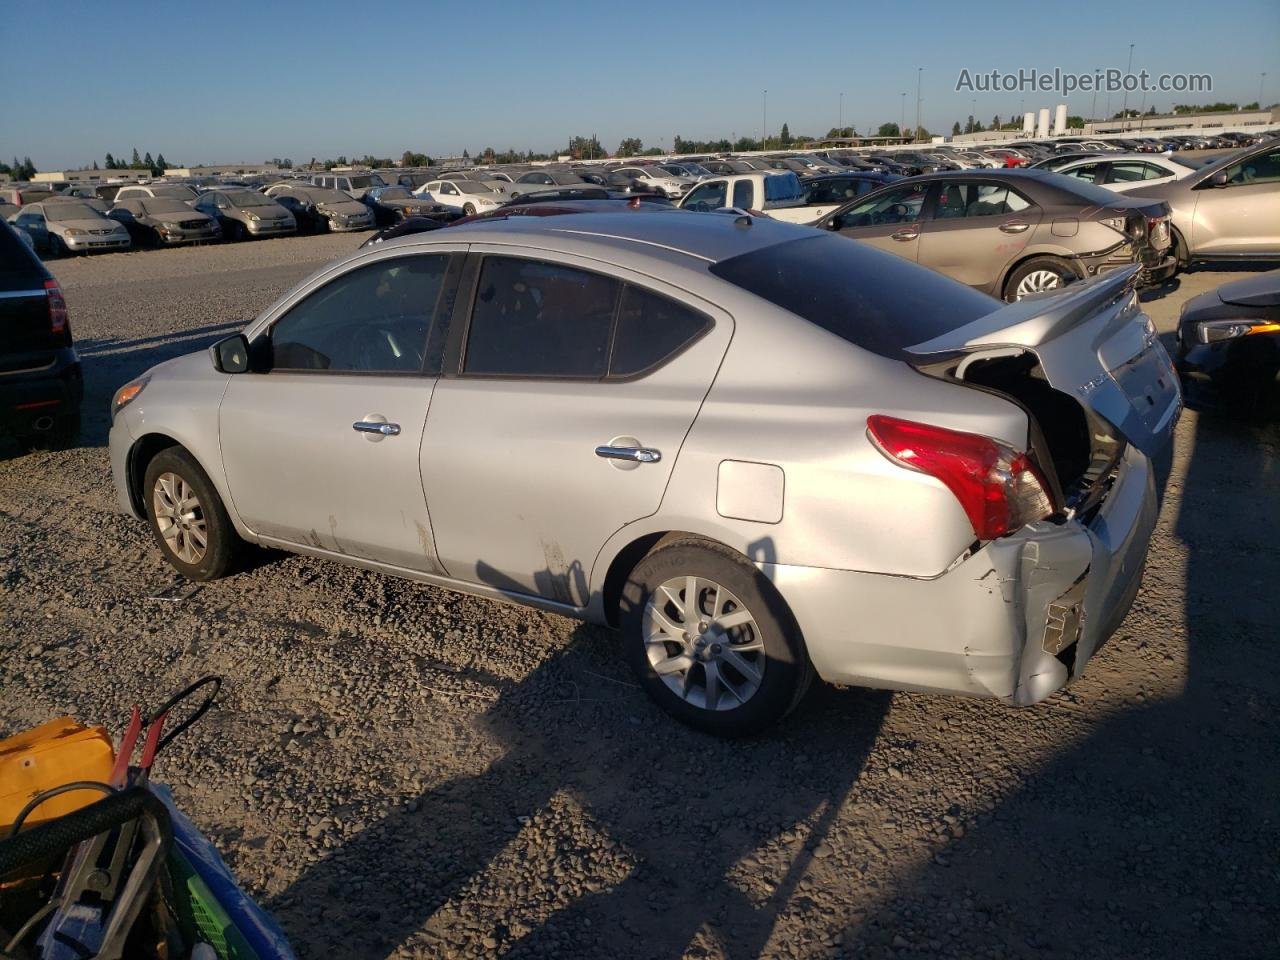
[57, 307]
[999, 488]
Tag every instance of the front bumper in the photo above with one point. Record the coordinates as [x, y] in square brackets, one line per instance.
[175, 238]
[348, 226]
[109, 241]
[1234, 376]
[31, 399]
[270, 228]
[1015, 621]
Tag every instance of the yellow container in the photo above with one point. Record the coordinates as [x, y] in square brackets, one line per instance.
[60, 751]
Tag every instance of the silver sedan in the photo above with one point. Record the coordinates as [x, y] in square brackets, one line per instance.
[760, 451]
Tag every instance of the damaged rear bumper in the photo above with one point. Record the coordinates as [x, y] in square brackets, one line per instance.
[1017, 620]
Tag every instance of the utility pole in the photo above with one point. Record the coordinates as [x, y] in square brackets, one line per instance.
[919, 72]
[1093, 111]
[840, 125]
[764, 120]
[1261, 82]
[1124, 110]
[902, 121]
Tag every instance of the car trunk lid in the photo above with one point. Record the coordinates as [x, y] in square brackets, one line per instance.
[1091, 342]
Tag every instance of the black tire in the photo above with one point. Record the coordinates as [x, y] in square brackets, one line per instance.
[57, 248]
[237, 232]
[468, 209]
[222, 541]
[1053, 265]
[786, 672]
[1180, 252]
[65, 433]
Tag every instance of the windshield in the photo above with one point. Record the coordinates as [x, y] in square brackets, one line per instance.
[471, 186]
[249, 199]
[326, 196]
[674, 170]
[396, 193]
[174, 190]
[70, 211]
[875, 300]
[567, 179]
[364, 183]
[164, 205]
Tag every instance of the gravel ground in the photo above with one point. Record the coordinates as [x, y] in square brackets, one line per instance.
[400, 771]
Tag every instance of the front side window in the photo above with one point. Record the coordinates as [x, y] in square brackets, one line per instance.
[1088, 172]
[537, 319]
[1264, 168]
[374, 319]
[708, 196]
[898, 205]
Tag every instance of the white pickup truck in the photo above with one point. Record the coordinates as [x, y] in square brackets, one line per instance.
[779, 194]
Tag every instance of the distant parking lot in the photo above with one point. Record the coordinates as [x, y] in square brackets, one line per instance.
[397, 770]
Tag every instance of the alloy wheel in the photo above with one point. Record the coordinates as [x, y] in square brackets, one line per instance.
[180, 518]
[704, 643]
[1037, 281]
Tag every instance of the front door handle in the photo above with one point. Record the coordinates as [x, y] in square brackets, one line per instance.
[633, 454]
[375, 426]
[1014, 226]
[905, 235]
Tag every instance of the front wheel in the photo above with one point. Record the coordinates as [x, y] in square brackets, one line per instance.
[710, 640]
[468, 209]
[1038, 275]
[187, 517]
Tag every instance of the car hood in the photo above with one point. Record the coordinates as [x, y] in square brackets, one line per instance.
[1262, 290]
[349, 208]
[273, 212]
[82, 224]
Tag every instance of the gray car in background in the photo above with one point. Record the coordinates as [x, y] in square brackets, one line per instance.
[321, 207]
[1229, 209]
[243, 214]
[164, 222]
[1011, 233]
[60, 227]
[760, 451]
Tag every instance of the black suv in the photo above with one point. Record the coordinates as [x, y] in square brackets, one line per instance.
[40, 380]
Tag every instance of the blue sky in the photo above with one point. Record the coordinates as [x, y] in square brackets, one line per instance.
[240, 81]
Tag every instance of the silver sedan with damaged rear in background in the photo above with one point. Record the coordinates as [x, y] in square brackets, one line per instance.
[760, 451]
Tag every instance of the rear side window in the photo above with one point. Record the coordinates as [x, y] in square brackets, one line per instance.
[537, 319]
[873, 300]
[652, 328]
[743, 194]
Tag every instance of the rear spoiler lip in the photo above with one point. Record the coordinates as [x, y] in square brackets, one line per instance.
[1032, 322]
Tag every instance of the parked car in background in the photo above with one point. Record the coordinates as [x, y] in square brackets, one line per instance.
[390, 205]
[177, 191]
[463, 196]
[318, 209]
[243, 214]
[498, 184]
[62, 227]
[687, 168]
[7, 210]
[822, 195]
[41, 385]
[21, 196]
[658, 179]
[1059, 160]
[778, 194]
[1229, 209]
[726, 167]
[1001, 232]
[164, 222]
[355, 185]
[908, 463]
[535, 179]
[1229, 347]
[1124, 172]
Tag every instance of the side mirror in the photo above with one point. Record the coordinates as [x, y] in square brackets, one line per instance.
[1219, 179]
[231, 355]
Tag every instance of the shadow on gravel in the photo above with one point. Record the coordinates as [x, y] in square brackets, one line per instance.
[1158, 835]
[671, 823]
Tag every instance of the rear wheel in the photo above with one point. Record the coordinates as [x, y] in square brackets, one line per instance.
[1038, 275]
[711, 641]
[187, 517]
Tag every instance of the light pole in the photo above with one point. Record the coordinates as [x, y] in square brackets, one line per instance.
[973, 114]
[902, 121]
[916, 134]
[1124, 109]
[840, 125]
[1261, 82]
[764, 119]
[1093, 111]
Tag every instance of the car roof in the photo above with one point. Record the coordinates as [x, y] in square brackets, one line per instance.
[668, 235]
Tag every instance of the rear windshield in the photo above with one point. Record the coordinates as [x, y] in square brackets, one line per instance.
[872, 299]
[783, 186]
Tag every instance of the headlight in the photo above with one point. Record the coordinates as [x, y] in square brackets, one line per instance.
[127, 394]
[1214, 331]
[75, 232]
[252, 216]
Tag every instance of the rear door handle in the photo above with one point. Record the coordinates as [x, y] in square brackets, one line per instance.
[1014, 226]
[634, 454]
[375, 426]
[905, 235]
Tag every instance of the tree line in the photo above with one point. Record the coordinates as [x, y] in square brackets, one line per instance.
[156, 167]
